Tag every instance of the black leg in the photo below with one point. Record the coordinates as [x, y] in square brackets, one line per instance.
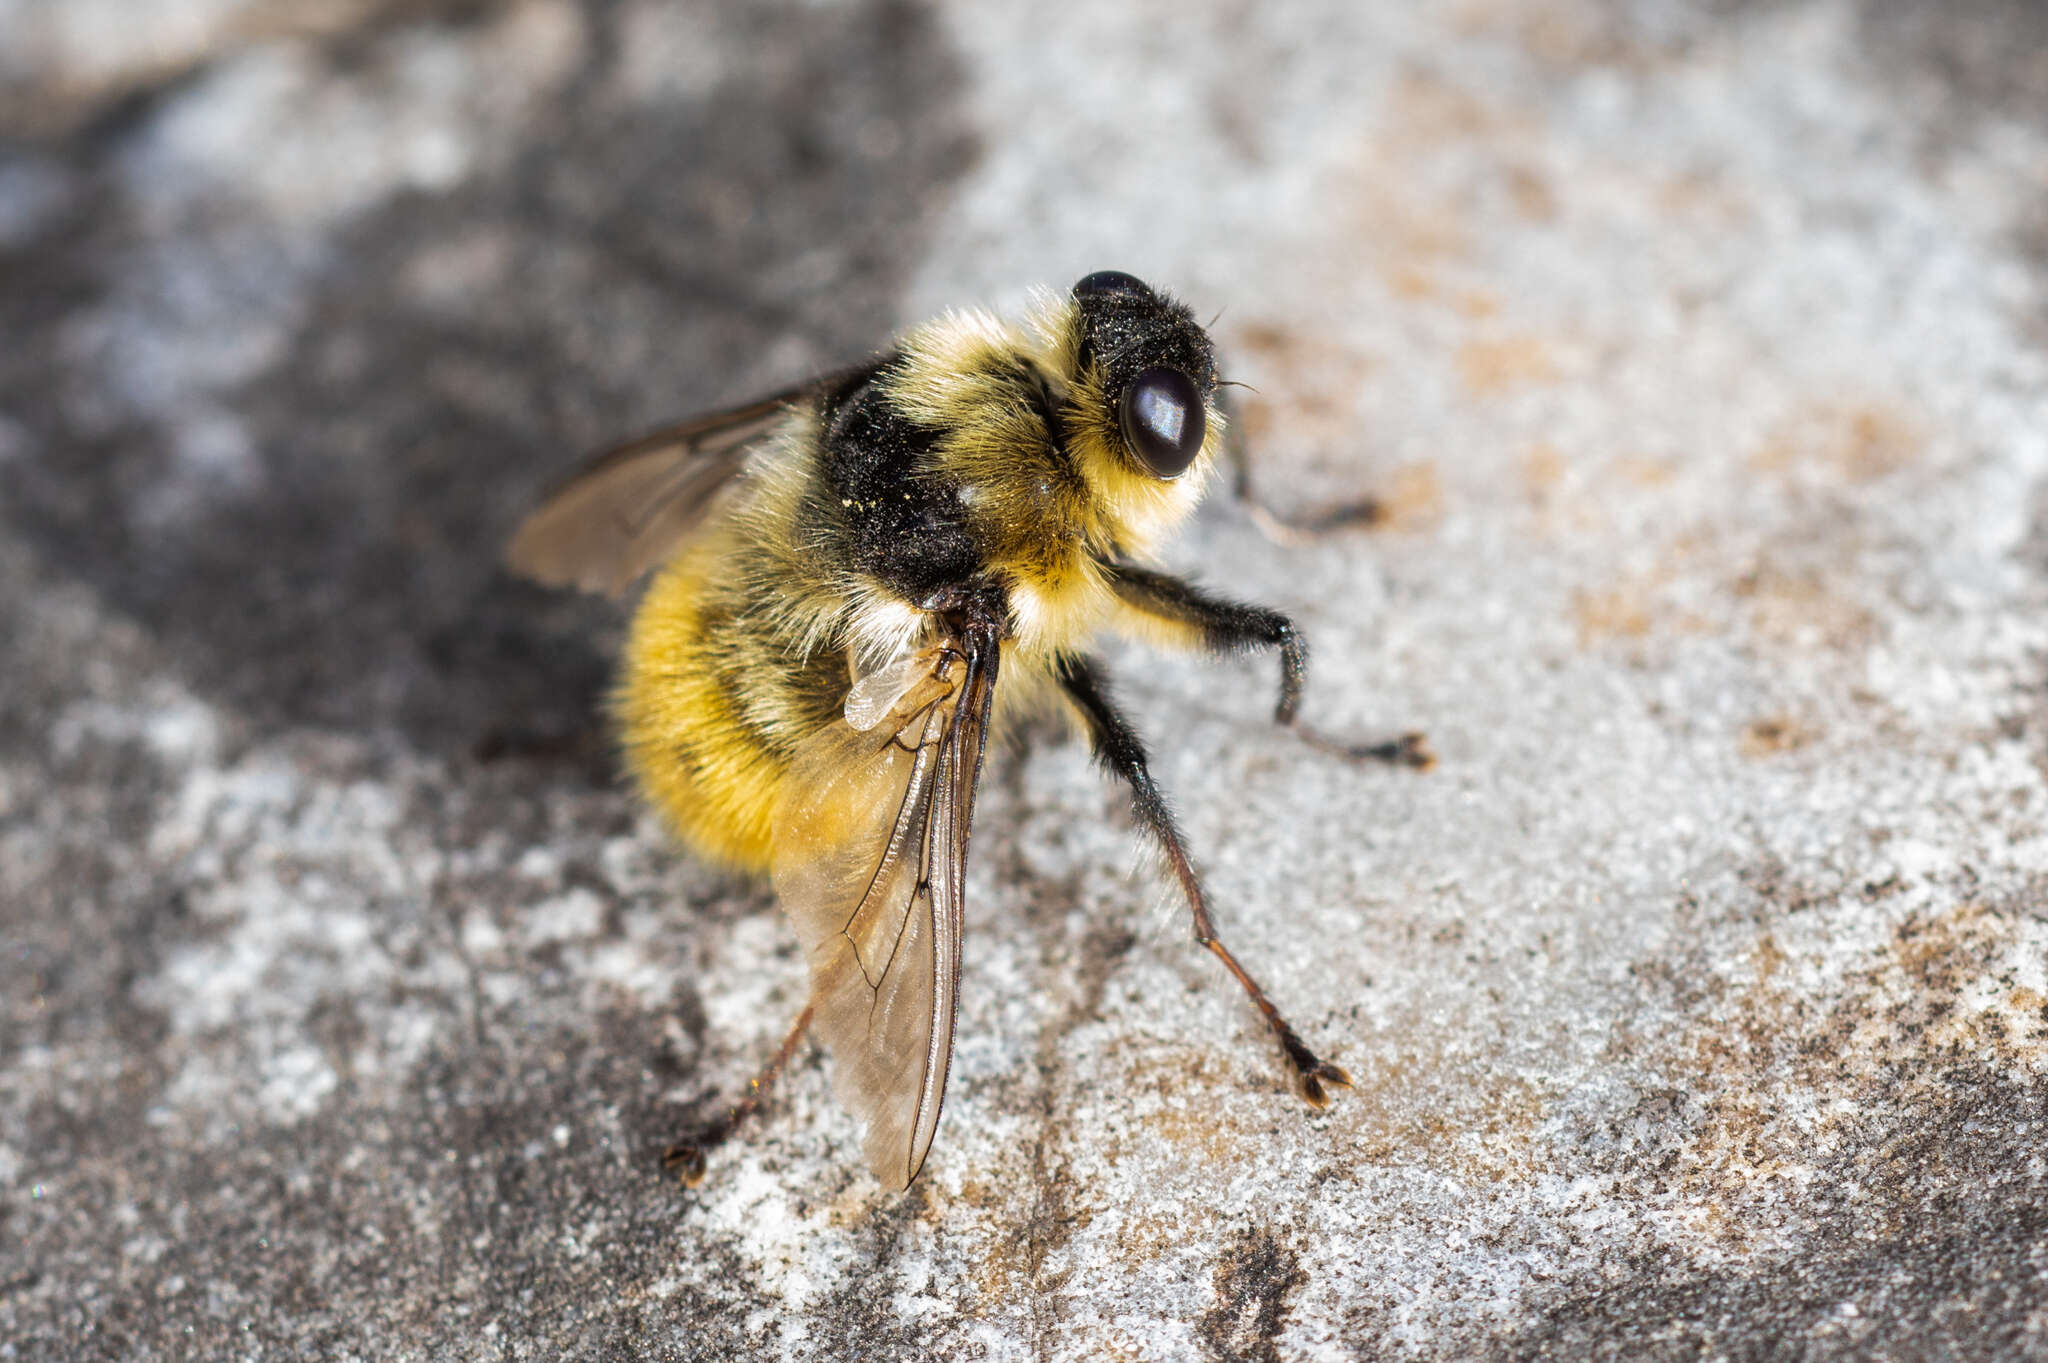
[1118, 747]
[1225, 626]
[686, 1157]
[1221, 626]
[1282, 529]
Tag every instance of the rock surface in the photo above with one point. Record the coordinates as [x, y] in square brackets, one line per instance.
[1698, 1000]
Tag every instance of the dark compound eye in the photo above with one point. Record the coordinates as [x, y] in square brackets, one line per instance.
[1111, 281]
[1163, 421]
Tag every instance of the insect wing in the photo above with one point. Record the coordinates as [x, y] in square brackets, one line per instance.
[870, 864]
[626, 511]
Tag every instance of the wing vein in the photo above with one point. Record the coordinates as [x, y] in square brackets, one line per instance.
[871, 855]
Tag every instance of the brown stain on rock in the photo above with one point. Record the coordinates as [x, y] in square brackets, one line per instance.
[1769, 735]
[1308, 383]
[1387, 201]
[1802, 588]
[1150, 1235]
[1413, 498]
[1803, 607]
[1797, 577]
[1197, 1133]
[1808, 585]
[1274, 339]
[1414, 1101]
[1778, 1084]
[1644, 472]
[1566, 36]
[1543, 469]
[1170, 1091]
[1489, 368]
[1530, 191]
[1418, 1103]
[1419, 283]
[1621, 612]
[1851, 442]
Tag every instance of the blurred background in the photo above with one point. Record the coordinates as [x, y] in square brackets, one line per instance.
[1697, 999]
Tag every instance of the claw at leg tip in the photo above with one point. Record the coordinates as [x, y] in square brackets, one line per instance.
[686, 1162]
[1313, 1079]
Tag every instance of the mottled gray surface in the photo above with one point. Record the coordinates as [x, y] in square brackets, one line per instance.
[1698, 999]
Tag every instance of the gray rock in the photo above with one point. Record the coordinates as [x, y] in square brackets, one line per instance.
[1697, 1000]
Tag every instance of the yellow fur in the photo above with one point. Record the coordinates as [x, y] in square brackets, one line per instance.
[683, 738]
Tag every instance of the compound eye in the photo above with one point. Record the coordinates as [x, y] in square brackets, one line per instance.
[1111, 281]
[1163, 421]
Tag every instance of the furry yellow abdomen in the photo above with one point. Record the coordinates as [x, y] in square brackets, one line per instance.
[680, 721]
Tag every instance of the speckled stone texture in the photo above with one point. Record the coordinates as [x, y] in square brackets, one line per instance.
[1697, 1000]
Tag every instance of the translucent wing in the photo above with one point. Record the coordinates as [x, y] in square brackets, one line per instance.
[870, 864]
[627, 510]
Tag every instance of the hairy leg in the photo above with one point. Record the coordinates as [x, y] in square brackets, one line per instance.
[1225, 626]
[1275, 526]
[1118, 748]
[685, 1158]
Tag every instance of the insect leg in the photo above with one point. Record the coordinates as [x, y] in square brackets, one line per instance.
[1225, 626]
[685, 1158]
[1281, 529]
[1118, 747]
[1219, 624]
